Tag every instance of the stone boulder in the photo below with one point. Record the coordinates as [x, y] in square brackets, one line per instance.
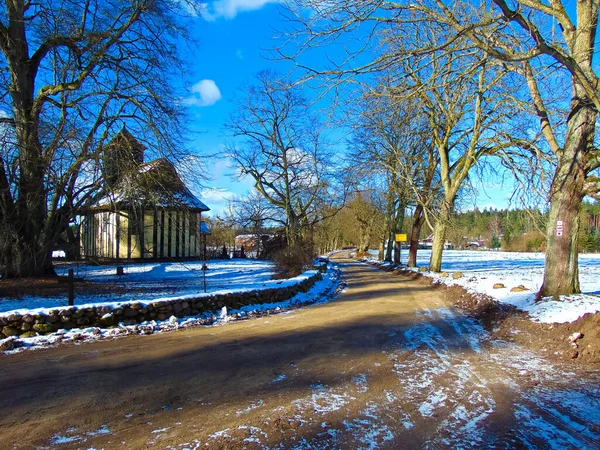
[107, 320]
[519, 288]
[10, 331]
[43, 327]
[28, 334]
[6, 344]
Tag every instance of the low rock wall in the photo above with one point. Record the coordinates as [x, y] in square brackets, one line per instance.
[105, 316]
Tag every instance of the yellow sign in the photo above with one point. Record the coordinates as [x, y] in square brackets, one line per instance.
[401, 238]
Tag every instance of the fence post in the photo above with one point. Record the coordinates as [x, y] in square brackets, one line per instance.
[71, 288]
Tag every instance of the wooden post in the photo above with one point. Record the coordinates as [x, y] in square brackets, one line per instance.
[120, 270]
[71, 288]
[204, 266]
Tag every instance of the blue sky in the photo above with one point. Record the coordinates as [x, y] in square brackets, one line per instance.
[233, 35]
[234, 38]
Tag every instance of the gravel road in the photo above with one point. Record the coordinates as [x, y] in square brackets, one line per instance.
[386, 364]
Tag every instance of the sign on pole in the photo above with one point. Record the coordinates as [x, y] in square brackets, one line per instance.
[559, 228]
[400, 238]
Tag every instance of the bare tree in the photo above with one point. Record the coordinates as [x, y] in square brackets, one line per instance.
[455, 91]
[526, 35]
[255, 215]
[458, 98]
[368, 218]
[394, 135]
[279, 143]
[72, 73]
[530, 36]
[328, 233]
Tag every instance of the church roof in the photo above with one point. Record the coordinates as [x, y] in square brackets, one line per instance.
[153, 184]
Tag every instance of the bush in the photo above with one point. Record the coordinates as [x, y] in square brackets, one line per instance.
[495, 242]
[293, 260]
[529, 242]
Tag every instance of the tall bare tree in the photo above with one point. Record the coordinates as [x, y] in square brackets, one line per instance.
[279, 143]
[72, 72]
[459, 101]
[526, 34]
[394, 135]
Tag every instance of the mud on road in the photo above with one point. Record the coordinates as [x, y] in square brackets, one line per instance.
[388, 364]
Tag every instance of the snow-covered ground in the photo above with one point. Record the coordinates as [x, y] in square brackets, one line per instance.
[483, 269]
[157, 281]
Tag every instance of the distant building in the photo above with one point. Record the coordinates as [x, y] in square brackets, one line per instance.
[260, 244]
[475, 244]
[251, 242]
[147, 212]
[427, 243]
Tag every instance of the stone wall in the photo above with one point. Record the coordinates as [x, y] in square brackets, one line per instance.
[105, 316]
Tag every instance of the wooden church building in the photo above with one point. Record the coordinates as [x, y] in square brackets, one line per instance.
[145, 212]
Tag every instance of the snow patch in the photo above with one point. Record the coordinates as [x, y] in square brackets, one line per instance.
[251, 407]
[361, 383]
[369, 429]
[323, 400]
[483, 269]
[434, 401]
[70, 437]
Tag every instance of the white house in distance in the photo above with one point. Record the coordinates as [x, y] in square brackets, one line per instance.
[147, 212]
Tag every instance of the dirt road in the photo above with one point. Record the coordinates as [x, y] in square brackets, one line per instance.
[388, 364]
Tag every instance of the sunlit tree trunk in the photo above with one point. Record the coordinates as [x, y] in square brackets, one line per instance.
[399, 226]
[439, 237]
[418, 220]
[561, 268]
[390, 247]
[389, 232]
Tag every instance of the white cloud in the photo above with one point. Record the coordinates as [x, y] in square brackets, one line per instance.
[216, 195]
[224, 185]
[239, 53]
[228, 9]
[206, 93]
[217, 199]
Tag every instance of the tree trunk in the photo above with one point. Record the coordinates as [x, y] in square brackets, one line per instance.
[418, 220]
[364, 245]
[28, 258]
[399, 225]
[29, 241]
[388, 225]
[561, 273]
[364, 236]
[439, 237]
[390, 246]
[292, 229]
